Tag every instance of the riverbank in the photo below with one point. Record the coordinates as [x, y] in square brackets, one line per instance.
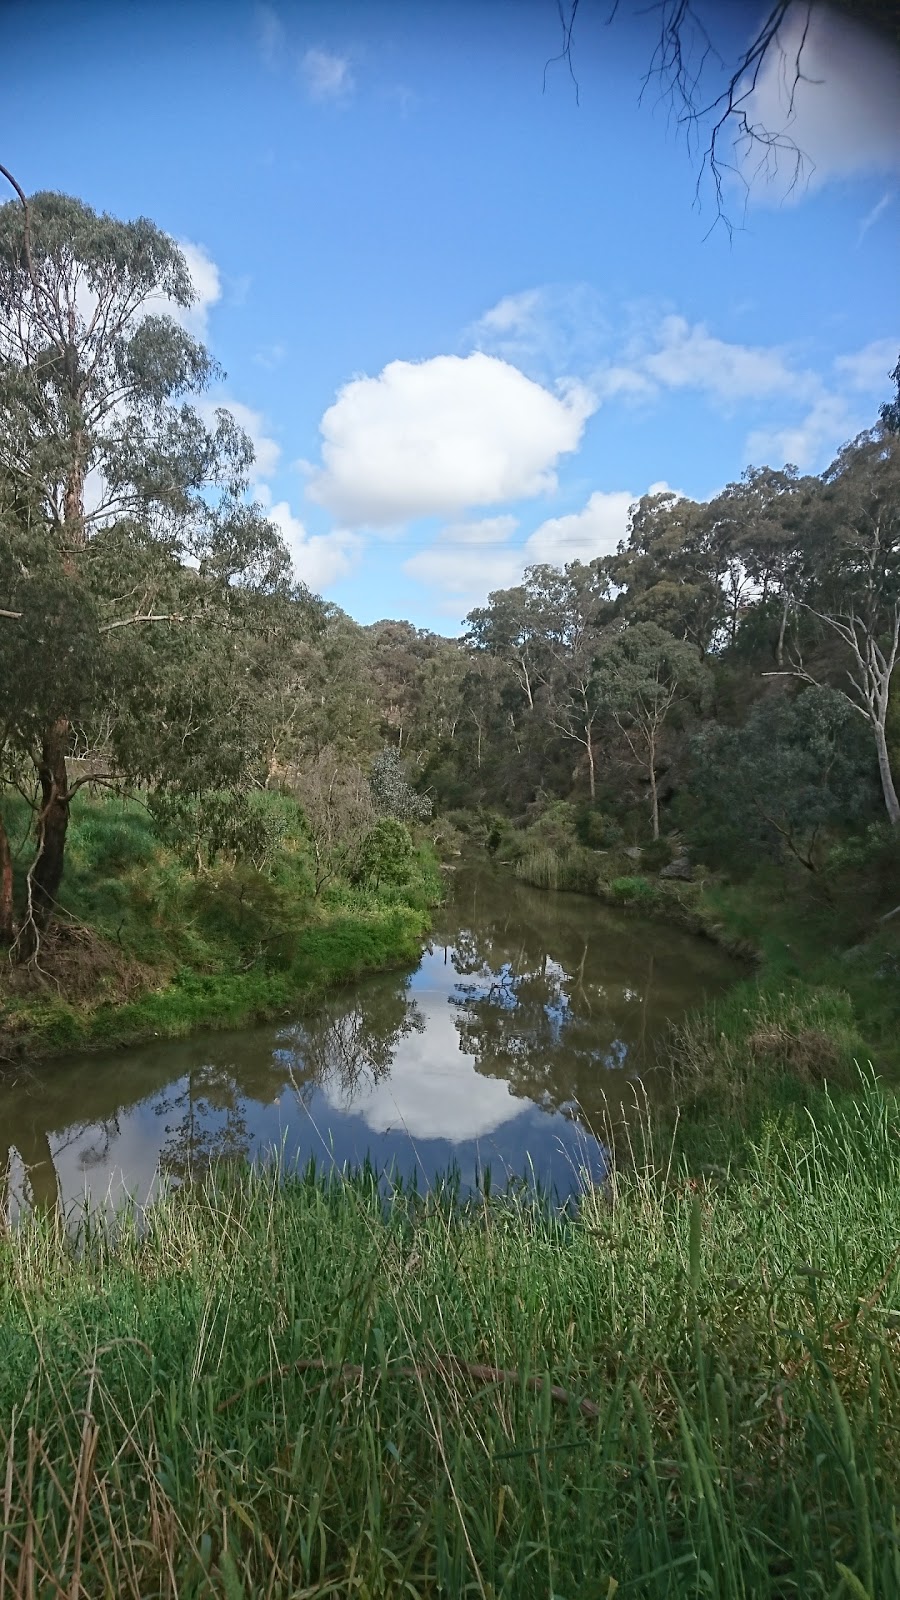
[288, 1387]
[143, 947]
[824, 995]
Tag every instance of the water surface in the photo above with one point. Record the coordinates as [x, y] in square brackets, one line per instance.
[528, 1014]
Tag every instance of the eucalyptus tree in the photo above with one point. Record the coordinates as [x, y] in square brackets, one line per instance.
[796, 770]
[671, 566]
[129, 542]
[572, 607]
[507, 627]
[765, 514]
[641, 672]
[852, 527]
[546, 631]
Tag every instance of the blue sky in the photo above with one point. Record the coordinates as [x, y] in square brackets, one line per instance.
[465, 316]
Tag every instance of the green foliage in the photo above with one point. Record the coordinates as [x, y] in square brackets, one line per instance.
[392, 793]
[656, 854]
[596, 830]
[160, 948]
[631, 890]
[369, 1394]
[799, 767]
[240, 826]
[386, 853]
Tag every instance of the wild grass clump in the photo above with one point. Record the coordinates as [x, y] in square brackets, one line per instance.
[289, 1386]
[729, 1056]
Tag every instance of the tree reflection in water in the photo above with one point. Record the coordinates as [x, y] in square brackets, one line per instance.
[346, 1048]
[550, 997]
[555, 1029]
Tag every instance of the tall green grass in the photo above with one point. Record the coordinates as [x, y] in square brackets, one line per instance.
[289, 1386]
[143, 945]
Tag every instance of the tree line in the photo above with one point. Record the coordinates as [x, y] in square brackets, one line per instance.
[153, 638]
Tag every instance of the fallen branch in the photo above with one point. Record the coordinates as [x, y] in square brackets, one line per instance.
[444, 1366]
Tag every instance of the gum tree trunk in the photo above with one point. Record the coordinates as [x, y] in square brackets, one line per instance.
[7, 932]
[46, 872]
[887, 778]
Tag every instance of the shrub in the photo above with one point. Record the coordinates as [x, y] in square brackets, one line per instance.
[655, 855]
[631, 889]
[386, 853]
[596, 831]
[393, 794]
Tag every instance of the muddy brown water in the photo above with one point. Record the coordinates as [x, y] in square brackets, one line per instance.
[527, 1016]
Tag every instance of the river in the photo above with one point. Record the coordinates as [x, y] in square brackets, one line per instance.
[527, 1016]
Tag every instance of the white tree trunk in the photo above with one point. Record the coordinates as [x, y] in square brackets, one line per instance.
[887, 777]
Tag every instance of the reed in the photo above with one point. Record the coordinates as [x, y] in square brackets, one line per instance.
[288, 1385]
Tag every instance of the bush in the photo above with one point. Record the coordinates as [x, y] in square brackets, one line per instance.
[596, 831]
[631, 890]
[655, 855]
[386, 853]
[392, 793]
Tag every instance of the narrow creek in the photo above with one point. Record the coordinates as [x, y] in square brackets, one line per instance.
[528, 1015]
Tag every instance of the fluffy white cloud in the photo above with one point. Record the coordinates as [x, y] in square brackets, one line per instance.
[326, 76]
[868, 368]
[318, 559]
[432, 1090]
[437, 436]
[207, 284]
[843, 114]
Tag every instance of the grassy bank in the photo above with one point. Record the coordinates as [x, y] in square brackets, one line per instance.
[825, 989]
[291, 1389]
[145, 944]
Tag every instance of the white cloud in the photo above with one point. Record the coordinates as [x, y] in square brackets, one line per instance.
[266, 449]
[876, 213]
[843, 114]
[868, 368]
[438, 436]
[546, 331]
[515, 313]
[207, 289]
[691, 357]
[583, 535]
[467, 560]
[826, 425]
[318, 559]
[433, 1090]
[326, 76]
[270, 36]
[830, 418]
[626, 381]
